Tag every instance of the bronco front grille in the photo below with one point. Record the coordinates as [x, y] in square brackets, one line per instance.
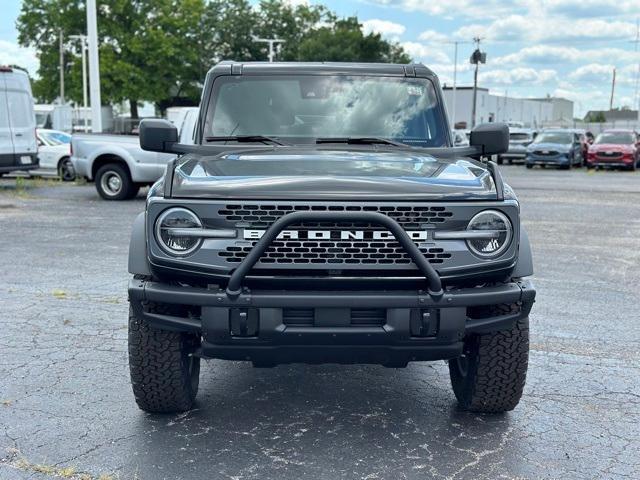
[335, 252]
[261, 216]
[379, 252]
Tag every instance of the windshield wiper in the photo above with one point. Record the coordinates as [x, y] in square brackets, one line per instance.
[361, 141]
[246, 139]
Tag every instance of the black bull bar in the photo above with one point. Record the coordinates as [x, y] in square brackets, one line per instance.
[434, 284]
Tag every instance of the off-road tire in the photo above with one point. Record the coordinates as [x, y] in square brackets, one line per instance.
[490, 376]
[164, 373]
[126, 190]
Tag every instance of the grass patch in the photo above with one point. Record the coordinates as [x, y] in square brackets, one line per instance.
[59, 294]
[53, 471]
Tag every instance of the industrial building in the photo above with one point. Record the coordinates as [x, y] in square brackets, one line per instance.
[532, 112]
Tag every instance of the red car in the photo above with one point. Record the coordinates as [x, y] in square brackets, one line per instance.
[615, 148]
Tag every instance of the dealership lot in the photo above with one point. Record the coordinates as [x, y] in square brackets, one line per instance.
[65, 399]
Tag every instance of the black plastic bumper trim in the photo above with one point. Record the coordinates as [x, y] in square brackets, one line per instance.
[508, 293]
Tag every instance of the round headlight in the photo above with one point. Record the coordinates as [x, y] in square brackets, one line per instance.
[176, 231]
[494, 233]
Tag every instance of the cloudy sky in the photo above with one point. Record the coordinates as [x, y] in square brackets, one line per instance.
[566, 48]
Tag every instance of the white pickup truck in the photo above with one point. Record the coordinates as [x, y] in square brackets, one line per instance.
[117, 164]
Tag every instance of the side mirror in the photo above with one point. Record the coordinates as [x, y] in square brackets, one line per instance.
[490, 138]
[157, 135]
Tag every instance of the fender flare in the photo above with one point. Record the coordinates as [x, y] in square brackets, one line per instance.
[138, 263]
[113, 151]
[524, 265]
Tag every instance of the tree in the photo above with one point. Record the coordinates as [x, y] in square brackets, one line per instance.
[596, 117]
[345, 41]
[160, 50]
[145, 47]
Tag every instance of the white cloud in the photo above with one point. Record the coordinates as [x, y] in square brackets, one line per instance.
[433, 36]
[455, 8]
[425, 53]
[13, 54]
[590, 8]
[517, 76]
[592, 73]
[553, 54]
[383, 27]
[545, 29]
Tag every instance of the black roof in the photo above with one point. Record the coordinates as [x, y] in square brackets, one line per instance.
[343, 68]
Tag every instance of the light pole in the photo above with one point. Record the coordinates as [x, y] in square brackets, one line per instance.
[477, 57]
[455, 76]
[94, 67]
[271, 42]
[61, 47]
[83, 46]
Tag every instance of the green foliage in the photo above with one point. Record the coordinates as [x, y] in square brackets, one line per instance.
[596, 117]
[344, 41]
[160, 50]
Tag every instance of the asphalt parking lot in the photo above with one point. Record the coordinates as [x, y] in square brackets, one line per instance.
[66, 406]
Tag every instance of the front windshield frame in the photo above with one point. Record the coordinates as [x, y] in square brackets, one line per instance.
[438, 119]
[619, 138]
[548, 137]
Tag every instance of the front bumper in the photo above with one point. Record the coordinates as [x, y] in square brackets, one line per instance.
[258, 326]
[18, 161]
[558, 160]
[599, 162]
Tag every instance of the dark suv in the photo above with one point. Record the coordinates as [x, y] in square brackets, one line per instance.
[323, 215]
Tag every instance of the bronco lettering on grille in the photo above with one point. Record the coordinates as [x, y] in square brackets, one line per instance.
[421, 235]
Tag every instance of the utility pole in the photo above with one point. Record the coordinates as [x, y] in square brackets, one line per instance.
[477, 57]
[613, 89]
[94, 67]
[635, 96]
[455, 74]
[455, 44]
[83, 46]
[272, 42]
[61, 46]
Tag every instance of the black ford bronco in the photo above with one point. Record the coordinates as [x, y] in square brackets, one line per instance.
[323, 215]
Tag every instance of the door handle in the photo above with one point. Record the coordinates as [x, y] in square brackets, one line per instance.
[18, 134]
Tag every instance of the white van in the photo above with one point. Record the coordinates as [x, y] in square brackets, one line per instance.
[18, 144]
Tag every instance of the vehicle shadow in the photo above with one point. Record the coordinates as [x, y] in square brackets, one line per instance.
[325, 421]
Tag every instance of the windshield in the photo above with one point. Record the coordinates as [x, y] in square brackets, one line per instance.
[555, 137]
[41, 118]
[519, 136]
[619, 138]
[55, 138]
[301, 109]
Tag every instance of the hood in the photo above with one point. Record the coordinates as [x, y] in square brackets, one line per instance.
[558, 147]
[611, 147]
[311, 174]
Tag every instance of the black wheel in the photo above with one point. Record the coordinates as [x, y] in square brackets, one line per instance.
[164, 372]
[66, 172]
[529, 165]
[490, 376]
[500, 160]
[113, 182]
